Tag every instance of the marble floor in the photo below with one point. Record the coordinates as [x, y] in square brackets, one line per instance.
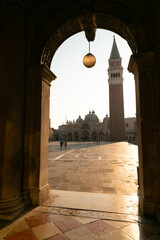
[56, 220]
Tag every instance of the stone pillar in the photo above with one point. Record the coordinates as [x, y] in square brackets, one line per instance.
[142, 65]
[40, 78]
[12, 75]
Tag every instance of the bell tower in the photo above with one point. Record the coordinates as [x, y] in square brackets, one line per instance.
[115, 72]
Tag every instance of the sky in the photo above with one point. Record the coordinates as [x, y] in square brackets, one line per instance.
[77, 89]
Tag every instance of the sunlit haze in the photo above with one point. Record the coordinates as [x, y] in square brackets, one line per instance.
[78, 89]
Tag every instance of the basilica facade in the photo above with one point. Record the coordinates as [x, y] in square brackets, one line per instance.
[88, 129]
[92, 129]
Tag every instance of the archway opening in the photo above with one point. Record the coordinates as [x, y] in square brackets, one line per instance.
[91, 85]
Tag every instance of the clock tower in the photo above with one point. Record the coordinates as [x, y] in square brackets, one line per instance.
[115, 72]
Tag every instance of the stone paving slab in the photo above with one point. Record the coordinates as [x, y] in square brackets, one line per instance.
[93, 202]
[91, 167]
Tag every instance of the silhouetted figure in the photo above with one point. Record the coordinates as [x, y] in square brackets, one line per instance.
[61, 144]
[65, 144]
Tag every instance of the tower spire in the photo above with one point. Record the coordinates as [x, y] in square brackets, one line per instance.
[114, 52]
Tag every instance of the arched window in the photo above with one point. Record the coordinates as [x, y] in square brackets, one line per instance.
[85, 126]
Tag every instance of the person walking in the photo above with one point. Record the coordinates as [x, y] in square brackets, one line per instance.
[61, 144]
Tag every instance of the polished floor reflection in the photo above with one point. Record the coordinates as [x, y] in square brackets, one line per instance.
[53, 223]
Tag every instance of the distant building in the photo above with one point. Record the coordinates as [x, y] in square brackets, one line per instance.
[91, 129]
[53, 134]
[131, 129]
[87, 129]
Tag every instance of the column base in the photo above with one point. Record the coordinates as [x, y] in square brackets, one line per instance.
[148, 206]
[38, 195]
[11, 208]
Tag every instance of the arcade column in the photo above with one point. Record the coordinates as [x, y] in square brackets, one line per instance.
[40, 78]
[12, 76]
[142, 65]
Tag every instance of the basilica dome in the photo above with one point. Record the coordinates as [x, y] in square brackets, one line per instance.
[106, 118]
[92, 117]
[79, 120]
[106, 121]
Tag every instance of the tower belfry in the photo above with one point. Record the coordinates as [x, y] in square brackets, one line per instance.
[115, 72]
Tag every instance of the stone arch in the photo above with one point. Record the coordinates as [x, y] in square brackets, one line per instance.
[94, 136]
[85, 135]
[124, 22]
[73, 26]
[34, 25]
[101, 136]
[76, 136]
[85, 125]
[53, 35]
[70, 136]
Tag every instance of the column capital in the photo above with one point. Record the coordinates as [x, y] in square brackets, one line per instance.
[139, 61]
[47, 75]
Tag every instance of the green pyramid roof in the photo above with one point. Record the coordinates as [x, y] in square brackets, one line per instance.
[114, 52]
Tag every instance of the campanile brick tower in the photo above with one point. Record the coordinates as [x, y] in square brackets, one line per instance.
[115, 72]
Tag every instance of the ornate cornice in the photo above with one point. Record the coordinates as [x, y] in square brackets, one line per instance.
[139, 61]
[44, 73]
[47, 74]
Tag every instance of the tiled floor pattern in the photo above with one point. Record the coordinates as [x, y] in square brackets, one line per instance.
[42, 226]
[92, 167]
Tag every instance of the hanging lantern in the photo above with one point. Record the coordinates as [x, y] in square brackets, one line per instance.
[89, 60]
